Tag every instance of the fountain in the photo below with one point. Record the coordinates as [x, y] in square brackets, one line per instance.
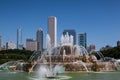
[50, 73]
[13, 65]
[7, 65]
[42, 62]
[64, 53]
[64, 58]
[80, 62]
[98, 53]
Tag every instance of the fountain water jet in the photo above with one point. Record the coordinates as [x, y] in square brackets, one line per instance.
[50, 74]
[83, 64]
[99, 54]
[13, 65]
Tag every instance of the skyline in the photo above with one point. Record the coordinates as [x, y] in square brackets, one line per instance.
[100, 19]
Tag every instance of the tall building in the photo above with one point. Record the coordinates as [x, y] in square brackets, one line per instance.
[118, 43]
[52, 30]
[31, 44]
[71, 32]
[10, 45]
[0, 43]
[91, 48]
[19, 39]
[82, 39]
[39, 39]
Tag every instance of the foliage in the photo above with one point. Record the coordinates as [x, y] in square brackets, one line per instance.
[113, 53]
[12, 55]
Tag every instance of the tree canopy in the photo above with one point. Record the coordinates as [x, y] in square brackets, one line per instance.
[12, 55]
[113, 52]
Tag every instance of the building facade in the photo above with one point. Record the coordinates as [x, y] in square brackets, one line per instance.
[39, 39]
[71, 32]
[10, 45]
[31, 44]
[82, 39]
[91, 48]
[52, 30]
[19, 39]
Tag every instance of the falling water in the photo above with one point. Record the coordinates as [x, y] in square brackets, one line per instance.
[99, 54]
[64, 53]
[66, 39]
[82, 63]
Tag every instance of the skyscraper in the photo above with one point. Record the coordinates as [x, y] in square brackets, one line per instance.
[118, 43]
[0, 42]
[52, 30]
[82, 40]
[31, 44]
[10, 45]
[19, 38]
[39, 39]
[71, 32]
[91, 48]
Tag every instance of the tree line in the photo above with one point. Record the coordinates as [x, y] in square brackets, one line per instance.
[113, 52]
[13, 55]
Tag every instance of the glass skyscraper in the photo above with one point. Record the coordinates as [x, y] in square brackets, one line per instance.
[82, 40]
[39, 39]
[71, 32]
[19, 38]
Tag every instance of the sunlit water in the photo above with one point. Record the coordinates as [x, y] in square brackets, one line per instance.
[5, 75]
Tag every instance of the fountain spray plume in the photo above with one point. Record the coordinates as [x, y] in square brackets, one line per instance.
[49, 49]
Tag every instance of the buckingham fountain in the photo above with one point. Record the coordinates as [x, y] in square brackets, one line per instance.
[61, 59]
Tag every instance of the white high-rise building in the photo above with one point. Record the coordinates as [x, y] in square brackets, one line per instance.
[10, 45]
[52, 30]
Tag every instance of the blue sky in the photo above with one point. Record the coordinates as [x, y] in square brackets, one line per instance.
[100, 19]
